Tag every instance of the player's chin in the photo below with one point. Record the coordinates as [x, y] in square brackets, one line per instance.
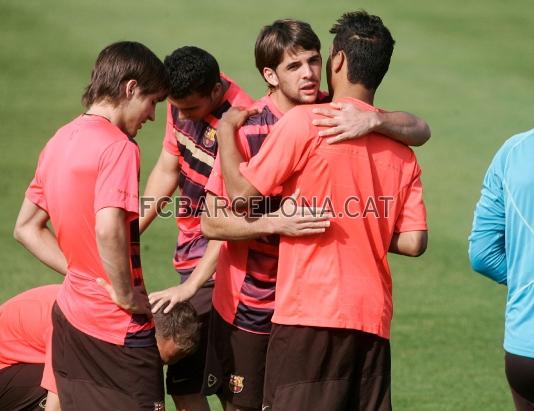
[308, 98]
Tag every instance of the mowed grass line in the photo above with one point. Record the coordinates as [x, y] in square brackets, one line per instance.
[462, 65]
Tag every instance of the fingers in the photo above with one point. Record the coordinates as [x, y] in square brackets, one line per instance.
[325, 122]
[332, 131]
[324, 112]
[158, 304]
[339, 138]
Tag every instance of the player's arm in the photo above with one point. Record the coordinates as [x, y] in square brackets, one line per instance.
[203, 271]
[409, 243]
[161, 184]
[345, 121]
[32, 231]
[487, 252]
[52, 402]
[223, 223]
[237, 186]
[112, 239]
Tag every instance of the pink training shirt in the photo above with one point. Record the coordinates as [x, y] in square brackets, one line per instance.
[88, 165]
[26, 331]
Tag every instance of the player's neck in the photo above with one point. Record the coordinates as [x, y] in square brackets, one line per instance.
[219, 98]
[281, 102]
[105, 110]
[357, 91]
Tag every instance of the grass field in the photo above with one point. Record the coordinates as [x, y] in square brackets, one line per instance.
[465, 66]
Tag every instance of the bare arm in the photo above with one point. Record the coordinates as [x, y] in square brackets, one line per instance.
[345, 121]
[203, 271]
[52, 402]
[237, 186]
[31, 230]
[409, 243]
[113, 246]
[161, 184]
[222, 223]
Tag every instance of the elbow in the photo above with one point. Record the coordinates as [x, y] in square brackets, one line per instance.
[18, 233]
[208, 228]
[416, 250]
[417, 246]
[425, 134]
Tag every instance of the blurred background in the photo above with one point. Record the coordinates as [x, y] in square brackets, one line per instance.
[467, 67]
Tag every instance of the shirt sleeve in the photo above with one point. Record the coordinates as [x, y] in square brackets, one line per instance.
[117, 183]
[284, 152]
[487, 252]
[215, 184]
[169, 141]
[35, 191]
[412, 215]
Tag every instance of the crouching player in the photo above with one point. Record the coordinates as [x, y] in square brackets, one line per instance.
[26, 377]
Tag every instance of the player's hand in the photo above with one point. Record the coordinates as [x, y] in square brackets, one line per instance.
[171, 296]
[345, 121]
[295, 221]
[136, 303]
[235, 117]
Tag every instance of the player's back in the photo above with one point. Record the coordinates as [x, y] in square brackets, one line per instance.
[366, 182]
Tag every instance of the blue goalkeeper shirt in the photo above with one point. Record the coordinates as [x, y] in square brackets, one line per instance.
[501, 245]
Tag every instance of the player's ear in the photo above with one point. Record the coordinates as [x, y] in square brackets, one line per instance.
[270, 76]
[337, 61]
[217, 88]
[129, 90]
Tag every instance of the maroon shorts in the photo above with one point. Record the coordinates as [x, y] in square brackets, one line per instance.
[92, 374]
[185, 376]
[235, 364]
[312, 368]
[520, 376]
[20, 387]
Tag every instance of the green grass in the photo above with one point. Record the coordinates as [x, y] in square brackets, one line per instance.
[465, 66]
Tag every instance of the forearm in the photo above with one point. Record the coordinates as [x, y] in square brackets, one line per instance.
[161, 185]
[403, 127]
[229, 225]
[410, 243]
[487, 255]
[42, 243]
[113, 248]
[236, 185]
[207, 265]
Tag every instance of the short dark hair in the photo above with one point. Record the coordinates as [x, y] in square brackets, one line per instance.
[181, 324]
[192, 70]
[119, 63]
[282, 35]
[367, 44]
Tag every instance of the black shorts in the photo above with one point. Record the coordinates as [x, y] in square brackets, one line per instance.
[520, 375]
[185, 376]
[235, 364]
[92, 374]
[20, 387]
[312, 368]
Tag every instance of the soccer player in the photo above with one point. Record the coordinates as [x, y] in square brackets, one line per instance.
[25, 346]
[288, 57]
[333, 291]
[199, 95]
[500, 247]
[87, 180]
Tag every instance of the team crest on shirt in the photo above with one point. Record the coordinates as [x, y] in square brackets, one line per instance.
[159, 406]
[209, 137]
[237, 383]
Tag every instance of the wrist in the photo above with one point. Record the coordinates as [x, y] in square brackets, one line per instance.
[268, 224]
[376, 121]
